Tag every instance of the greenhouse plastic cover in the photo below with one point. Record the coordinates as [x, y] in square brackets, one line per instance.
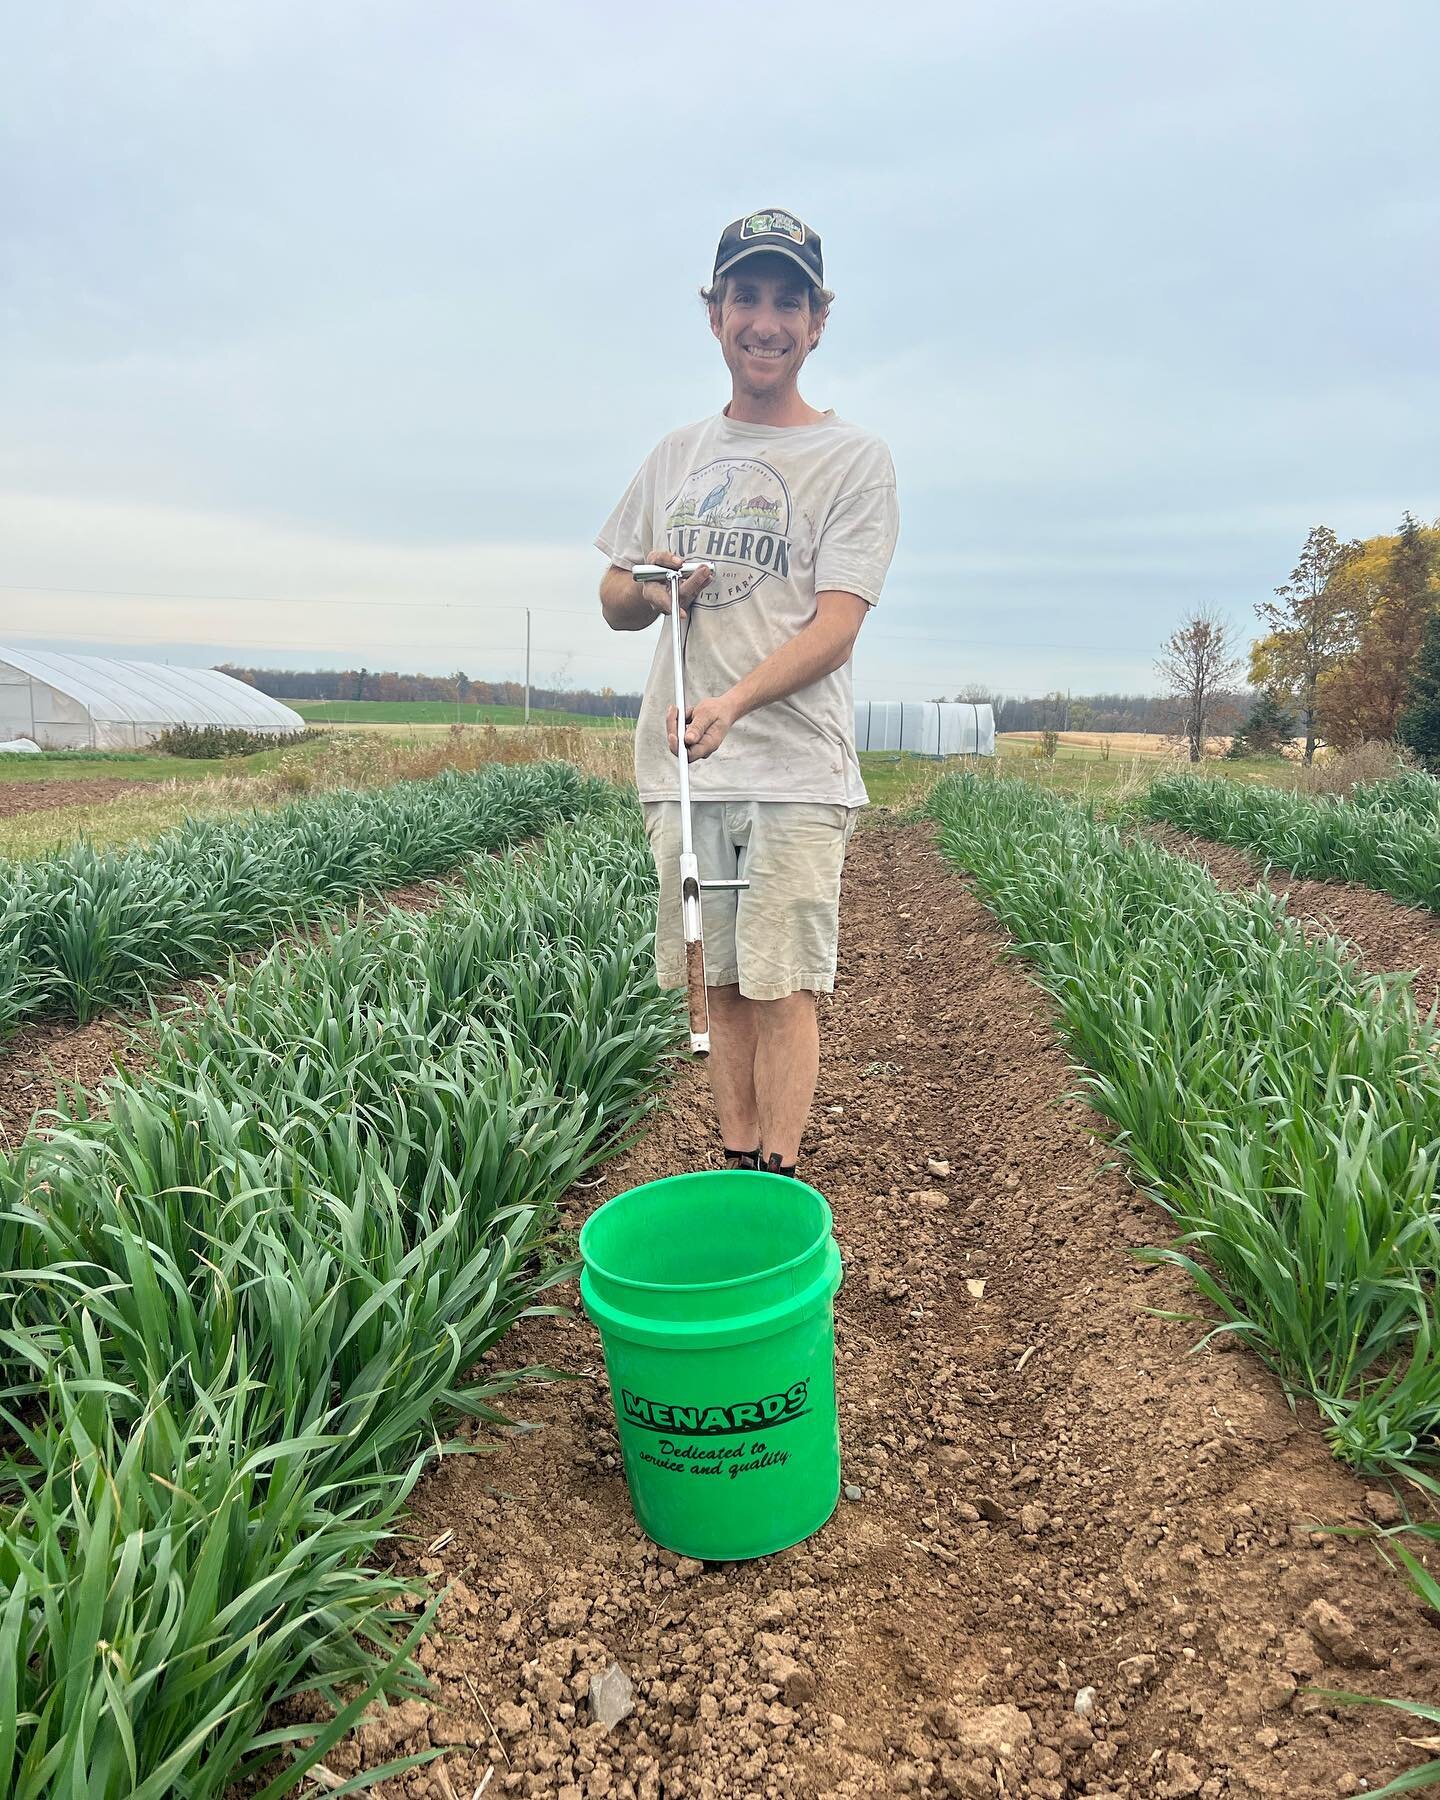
[926, 727]
[92, 702]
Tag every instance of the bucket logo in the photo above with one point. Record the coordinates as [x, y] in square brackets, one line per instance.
[735, 515]
[739, 1419]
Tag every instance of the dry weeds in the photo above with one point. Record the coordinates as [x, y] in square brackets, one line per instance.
[342, 760]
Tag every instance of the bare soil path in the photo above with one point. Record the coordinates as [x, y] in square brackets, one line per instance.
[1055, 1494]
[52, 796]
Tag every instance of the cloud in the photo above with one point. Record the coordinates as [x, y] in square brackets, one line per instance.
[146, 576]
[370, 303]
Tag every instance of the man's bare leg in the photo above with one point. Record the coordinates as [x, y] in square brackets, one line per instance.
[787, 1064]
[733, 1021]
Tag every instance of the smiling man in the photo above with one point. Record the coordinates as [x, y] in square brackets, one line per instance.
[793, 511]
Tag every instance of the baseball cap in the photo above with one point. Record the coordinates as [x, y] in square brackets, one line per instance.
[775, 231]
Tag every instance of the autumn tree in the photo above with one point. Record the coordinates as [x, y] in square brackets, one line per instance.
[1199, 667]
[1389, 589]
[1311, 629]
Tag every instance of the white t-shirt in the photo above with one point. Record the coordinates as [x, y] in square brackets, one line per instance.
[781, 513]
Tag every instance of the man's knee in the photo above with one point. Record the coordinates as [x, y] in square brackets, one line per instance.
[787, 1007]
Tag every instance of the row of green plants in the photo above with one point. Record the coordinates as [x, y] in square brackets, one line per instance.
[1391, 843]
[83, 929]
[1407, 791]
[251, 1294]
[226, 740]
[1282, 1106]
[1280, 1103]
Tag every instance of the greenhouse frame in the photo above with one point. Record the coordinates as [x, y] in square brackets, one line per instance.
[926, 727]
[63, 702]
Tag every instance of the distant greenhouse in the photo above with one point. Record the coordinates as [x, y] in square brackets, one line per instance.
[93, 703]
[926, 727]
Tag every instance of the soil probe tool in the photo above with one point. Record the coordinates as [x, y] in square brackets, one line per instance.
[690, 882]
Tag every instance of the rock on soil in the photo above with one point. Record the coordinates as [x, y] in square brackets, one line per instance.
[1108, 1511]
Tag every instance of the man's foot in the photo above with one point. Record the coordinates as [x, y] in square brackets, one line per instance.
[742, 1159]
[772, 1165]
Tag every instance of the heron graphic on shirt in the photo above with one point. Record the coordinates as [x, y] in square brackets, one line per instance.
[715, 496]
[745, 540]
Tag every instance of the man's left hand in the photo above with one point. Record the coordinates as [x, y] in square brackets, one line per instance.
[706, 725]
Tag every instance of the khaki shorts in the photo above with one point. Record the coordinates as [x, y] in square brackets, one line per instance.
[780, 934]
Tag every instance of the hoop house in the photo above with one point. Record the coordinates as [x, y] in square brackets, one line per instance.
[92, 703]
[926, 727]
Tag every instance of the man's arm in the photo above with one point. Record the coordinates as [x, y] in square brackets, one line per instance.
[822, 647]
[623, 602]
[630, 605]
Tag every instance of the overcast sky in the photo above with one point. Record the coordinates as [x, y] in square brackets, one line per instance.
[331, 331]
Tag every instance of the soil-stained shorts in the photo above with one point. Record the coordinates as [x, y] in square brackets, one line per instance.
[777, 936]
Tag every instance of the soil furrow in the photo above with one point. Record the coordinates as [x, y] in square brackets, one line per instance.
[48, 1054]
[1386, 934]
[1055, 1494]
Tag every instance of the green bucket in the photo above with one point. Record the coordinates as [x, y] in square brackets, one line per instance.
[714, 1298]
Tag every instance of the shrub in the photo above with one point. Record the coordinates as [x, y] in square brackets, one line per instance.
[225, 740]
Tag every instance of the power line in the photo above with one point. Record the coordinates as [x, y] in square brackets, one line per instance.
[962, 640]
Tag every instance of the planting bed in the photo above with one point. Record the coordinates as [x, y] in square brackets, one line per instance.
[1053, 1493]
[1386, 933]
[49, 1054]
[243, 1295]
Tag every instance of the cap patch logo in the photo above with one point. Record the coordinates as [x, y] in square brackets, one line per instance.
[779, 223]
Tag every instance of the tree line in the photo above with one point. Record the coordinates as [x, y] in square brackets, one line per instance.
[1349, 653]
[455, 690]
[1072, 712]
[1353, 645]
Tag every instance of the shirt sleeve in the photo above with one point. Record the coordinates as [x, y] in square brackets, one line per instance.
[627, 536]
[857, 540]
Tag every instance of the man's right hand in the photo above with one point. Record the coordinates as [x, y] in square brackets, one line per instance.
[657, 593]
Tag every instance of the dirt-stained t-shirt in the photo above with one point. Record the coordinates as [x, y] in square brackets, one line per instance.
[781, 513]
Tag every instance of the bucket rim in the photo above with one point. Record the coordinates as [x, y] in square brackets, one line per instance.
[790, 1182]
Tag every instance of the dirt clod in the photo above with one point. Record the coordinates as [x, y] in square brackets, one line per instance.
[995, 1731]
[1338, 1639]
[1383, 1507]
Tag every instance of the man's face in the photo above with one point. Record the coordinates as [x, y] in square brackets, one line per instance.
[764, 324]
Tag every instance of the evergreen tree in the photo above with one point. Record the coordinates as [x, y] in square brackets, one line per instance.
[1419, 726]
[1266, 732]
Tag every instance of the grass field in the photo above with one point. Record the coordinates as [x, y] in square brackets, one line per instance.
[435, 712]
[1079, 770]
[127, 765]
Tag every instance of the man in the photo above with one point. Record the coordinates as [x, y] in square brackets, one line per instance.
[794, 512]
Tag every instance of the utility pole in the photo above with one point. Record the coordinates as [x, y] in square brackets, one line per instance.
[527, 665]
